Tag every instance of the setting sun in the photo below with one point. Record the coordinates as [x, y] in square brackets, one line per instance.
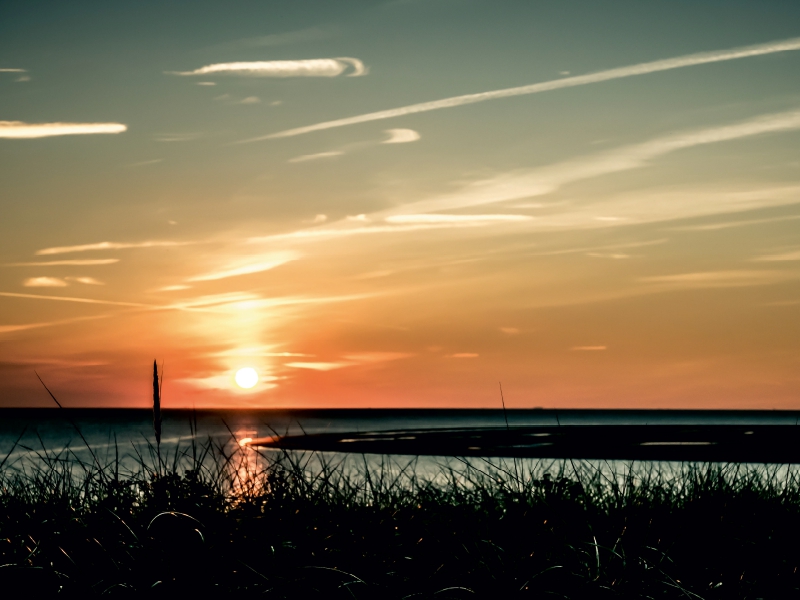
[246, 378]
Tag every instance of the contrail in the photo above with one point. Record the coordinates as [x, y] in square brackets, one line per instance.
[556, 84]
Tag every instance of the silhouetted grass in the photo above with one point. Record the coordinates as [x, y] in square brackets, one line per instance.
[216, 518]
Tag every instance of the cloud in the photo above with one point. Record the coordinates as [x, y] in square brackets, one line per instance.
[545, 180]
[44, 282]
[600, 76]
[794, 255]
[12, 71]
[79, 300]
[401, 136]
[176, 137]
[250, 100]
[440, 218]
[319, 366]
[629, 209]
[588, 348]
[26, 326]
[320, 218]
[710, 279]
[56, 263]
[85, 280]
[463, 355]
[510, 330]
[307, 157]
[21, 130]
[729, 224]
[143, 163]
[173, 288]
[376, 357]
[612, 255]
[315, 67]
[108, 246]
[267, 263]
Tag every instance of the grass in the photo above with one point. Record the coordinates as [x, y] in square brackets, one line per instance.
[215, 517]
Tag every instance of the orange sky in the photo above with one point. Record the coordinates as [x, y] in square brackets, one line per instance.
[401, 205]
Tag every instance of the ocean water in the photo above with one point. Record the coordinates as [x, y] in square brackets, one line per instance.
[121, 435]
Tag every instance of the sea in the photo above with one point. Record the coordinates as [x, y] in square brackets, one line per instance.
[126, 436]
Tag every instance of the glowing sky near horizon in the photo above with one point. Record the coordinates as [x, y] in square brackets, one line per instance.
[401, 204]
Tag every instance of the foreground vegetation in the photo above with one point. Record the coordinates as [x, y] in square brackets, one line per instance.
[217, 518]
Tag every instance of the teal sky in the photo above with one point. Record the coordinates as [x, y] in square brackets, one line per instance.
[627, 234]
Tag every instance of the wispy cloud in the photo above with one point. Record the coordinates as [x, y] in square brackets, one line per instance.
[441, 218]
[545, 180]
[21, 130]
[784, 256]
[719, 279]
[315, 67]
[234, 270]
[85, 280]
[729, 224]
[44, 282]
[566, 82]
[12, 70]
[144, 163]
[70, 299]
[319, 366]
[376, 357]
[58, 263]
[318, 155]
[589, 348]
[401, 136]
[26, 326]
[109, 246]
[463, 355]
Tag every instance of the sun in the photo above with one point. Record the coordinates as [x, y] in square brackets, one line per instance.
[246, 378]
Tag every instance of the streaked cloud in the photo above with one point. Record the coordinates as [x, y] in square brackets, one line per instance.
[589, 348]
[44, 282]
[719, 278]
[318, 155]
[440, 218]
[600, 76]
[729, 224]
[65, 363]
[173, 288]
[267, 263]
[250, 100]
[176, 137]
[545, 180]
[315, 67]
[783, 256]
[12, 71]
[376, 357]
[143, 163]
[463, 355]
[22, 130]
[611, 255]
[510, 330]
[319, 366]
[109, 246]
[85, 280]
[72, 299]
[58, 263]
[401, 136]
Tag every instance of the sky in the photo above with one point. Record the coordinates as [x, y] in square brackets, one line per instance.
[401, 204]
